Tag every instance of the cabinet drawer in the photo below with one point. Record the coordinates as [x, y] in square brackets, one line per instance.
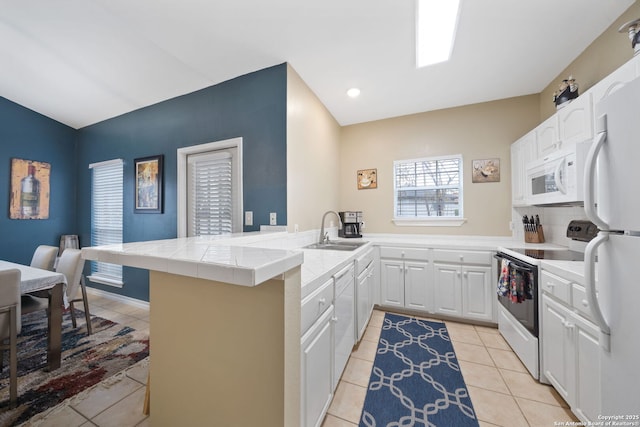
[364, 261]
[404, 253]
[579, 300]
[556, 286]
[315, 304]
[464, 257]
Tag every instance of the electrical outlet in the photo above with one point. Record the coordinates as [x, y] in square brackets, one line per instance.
[295, 228]
[273, 219]
[248, 218]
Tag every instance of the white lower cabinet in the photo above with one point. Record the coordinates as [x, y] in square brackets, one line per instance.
[404, 283]
[570, 357]
[558, 347]
[464, 284]
[447, 289]
[464, 291]
[478, 293]
[317, 352]
[364, 300]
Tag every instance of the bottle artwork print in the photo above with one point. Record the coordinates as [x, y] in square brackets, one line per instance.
[30, 195]
[30, 186]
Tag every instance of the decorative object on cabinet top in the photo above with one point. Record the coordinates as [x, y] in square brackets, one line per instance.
[567, 90]
[633, 29]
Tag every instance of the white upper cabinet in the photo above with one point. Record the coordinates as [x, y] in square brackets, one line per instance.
[522, 152]
[575, 121]
[614, 81]
[547, 138]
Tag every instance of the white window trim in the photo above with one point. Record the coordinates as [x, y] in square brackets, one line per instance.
[449, 221]
[182, 156]
[430, 222]
[95, 278]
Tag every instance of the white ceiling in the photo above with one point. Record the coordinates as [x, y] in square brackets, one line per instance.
[80, 61]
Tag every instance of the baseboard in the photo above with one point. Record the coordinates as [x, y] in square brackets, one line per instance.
[120, 298]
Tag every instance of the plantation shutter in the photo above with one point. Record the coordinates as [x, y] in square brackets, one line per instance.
[106, 216]
[210, 193]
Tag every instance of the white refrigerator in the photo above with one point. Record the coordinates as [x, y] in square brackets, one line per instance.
[612, 202]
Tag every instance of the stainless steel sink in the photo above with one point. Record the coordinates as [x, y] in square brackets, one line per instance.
[336, 246]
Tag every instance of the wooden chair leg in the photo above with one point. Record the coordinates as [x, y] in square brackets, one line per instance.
[13, 360]
[146, 409]
[85, 299]
[72, 312]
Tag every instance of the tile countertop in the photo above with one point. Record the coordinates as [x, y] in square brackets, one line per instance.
[249, 259]
[208, 257]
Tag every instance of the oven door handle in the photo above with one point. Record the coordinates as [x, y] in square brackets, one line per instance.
[514, 264]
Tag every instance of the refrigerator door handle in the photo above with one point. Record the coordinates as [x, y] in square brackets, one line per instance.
[590, 174]
[590, 285]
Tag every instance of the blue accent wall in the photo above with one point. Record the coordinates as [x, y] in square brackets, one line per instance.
[25, 134]
[252, 106]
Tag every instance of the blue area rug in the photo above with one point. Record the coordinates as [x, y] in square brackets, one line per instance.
[416, 378]
[86, 360]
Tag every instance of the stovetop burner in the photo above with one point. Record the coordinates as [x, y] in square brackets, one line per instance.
[556, 255]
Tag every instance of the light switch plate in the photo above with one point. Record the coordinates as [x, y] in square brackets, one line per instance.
[273, 219]
[248, 218]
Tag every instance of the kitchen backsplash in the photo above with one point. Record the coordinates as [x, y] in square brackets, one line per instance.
[554, 221]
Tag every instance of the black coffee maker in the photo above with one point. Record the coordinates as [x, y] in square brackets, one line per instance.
[351, 224]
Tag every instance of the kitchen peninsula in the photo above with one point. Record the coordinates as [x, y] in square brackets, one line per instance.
[226, 312]
[225, 322]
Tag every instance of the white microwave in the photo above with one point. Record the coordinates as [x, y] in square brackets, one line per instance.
[558, 178]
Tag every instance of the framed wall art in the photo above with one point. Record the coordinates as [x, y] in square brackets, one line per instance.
[148, 187]
[367, 178]
[487, 170]
[30, 186]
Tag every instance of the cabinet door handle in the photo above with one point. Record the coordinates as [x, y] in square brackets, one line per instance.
[550, 285]
[585, 303]
[322, 301]
[568, 325]
[334, 319]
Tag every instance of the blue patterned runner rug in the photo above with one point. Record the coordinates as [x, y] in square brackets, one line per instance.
[416, 378]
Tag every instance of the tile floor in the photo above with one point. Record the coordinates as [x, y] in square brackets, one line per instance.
[117, 401]
[502, 391]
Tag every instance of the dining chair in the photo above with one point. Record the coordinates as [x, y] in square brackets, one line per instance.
[44, 257]
[71, 265]
[10, 326]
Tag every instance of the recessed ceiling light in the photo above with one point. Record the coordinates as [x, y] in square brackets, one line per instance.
[353, 92]
[436, 22]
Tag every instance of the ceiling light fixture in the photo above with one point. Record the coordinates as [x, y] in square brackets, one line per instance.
[353, 92]
[436, 22]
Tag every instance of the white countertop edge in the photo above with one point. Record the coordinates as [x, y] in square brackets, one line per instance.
[222, 272]
[571, 270]
[185, 256]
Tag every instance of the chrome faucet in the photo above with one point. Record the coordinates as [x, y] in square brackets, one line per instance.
[324, 237]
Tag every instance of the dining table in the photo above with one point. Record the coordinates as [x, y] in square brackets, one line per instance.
[51, 285]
